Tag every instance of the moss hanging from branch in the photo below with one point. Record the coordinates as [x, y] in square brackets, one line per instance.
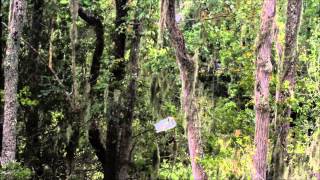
[188, 74]
[74, 6]
[162, 21]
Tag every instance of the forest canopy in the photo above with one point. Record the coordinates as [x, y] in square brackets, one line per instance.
[160, 89]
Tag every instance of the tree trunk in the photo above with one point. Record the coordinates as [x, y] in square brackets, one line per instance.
[75, 105]
[114, 94]
[78, 107]
[94, 133]
[1, 46]
[188, 74]
[16, 18]
[74, 6]
[32, 151]
[1, 77]
[126, 123]
[115, 157]
[99, 31]
[263, 72]
[279, 155]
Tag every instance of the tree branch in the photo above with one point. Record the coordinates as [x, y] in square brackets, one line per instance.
[95, 141]
[96, 22]
[176, 36]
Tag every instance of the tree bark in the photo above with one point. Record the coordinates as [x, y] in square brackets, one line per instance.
[188, 74]
[98, 145]
[263, 72]
[1, 77]
[279, 155]
[16, 18]
[74, 6]
[1, 46]
[115, 154]
[116, 108]
[94, 134]
[77, 109]
[126, 123]
[32, 151]
[98, 28]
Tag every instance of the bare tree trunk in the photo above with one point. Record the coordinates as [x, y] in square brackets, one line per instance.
[188, 74]
[263, 72]
[16, 18]
[279, 155]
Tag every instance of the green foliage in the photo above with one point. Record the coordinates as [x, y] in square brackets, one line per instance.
[2, 96]
[174, 171]
[64, 2]
[15, 170]
[224, 33]
[97, 176]
[231, 157]
[24, 97]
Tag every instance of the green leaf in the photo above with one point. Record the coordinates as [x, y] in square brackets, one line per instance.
[64, 2]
